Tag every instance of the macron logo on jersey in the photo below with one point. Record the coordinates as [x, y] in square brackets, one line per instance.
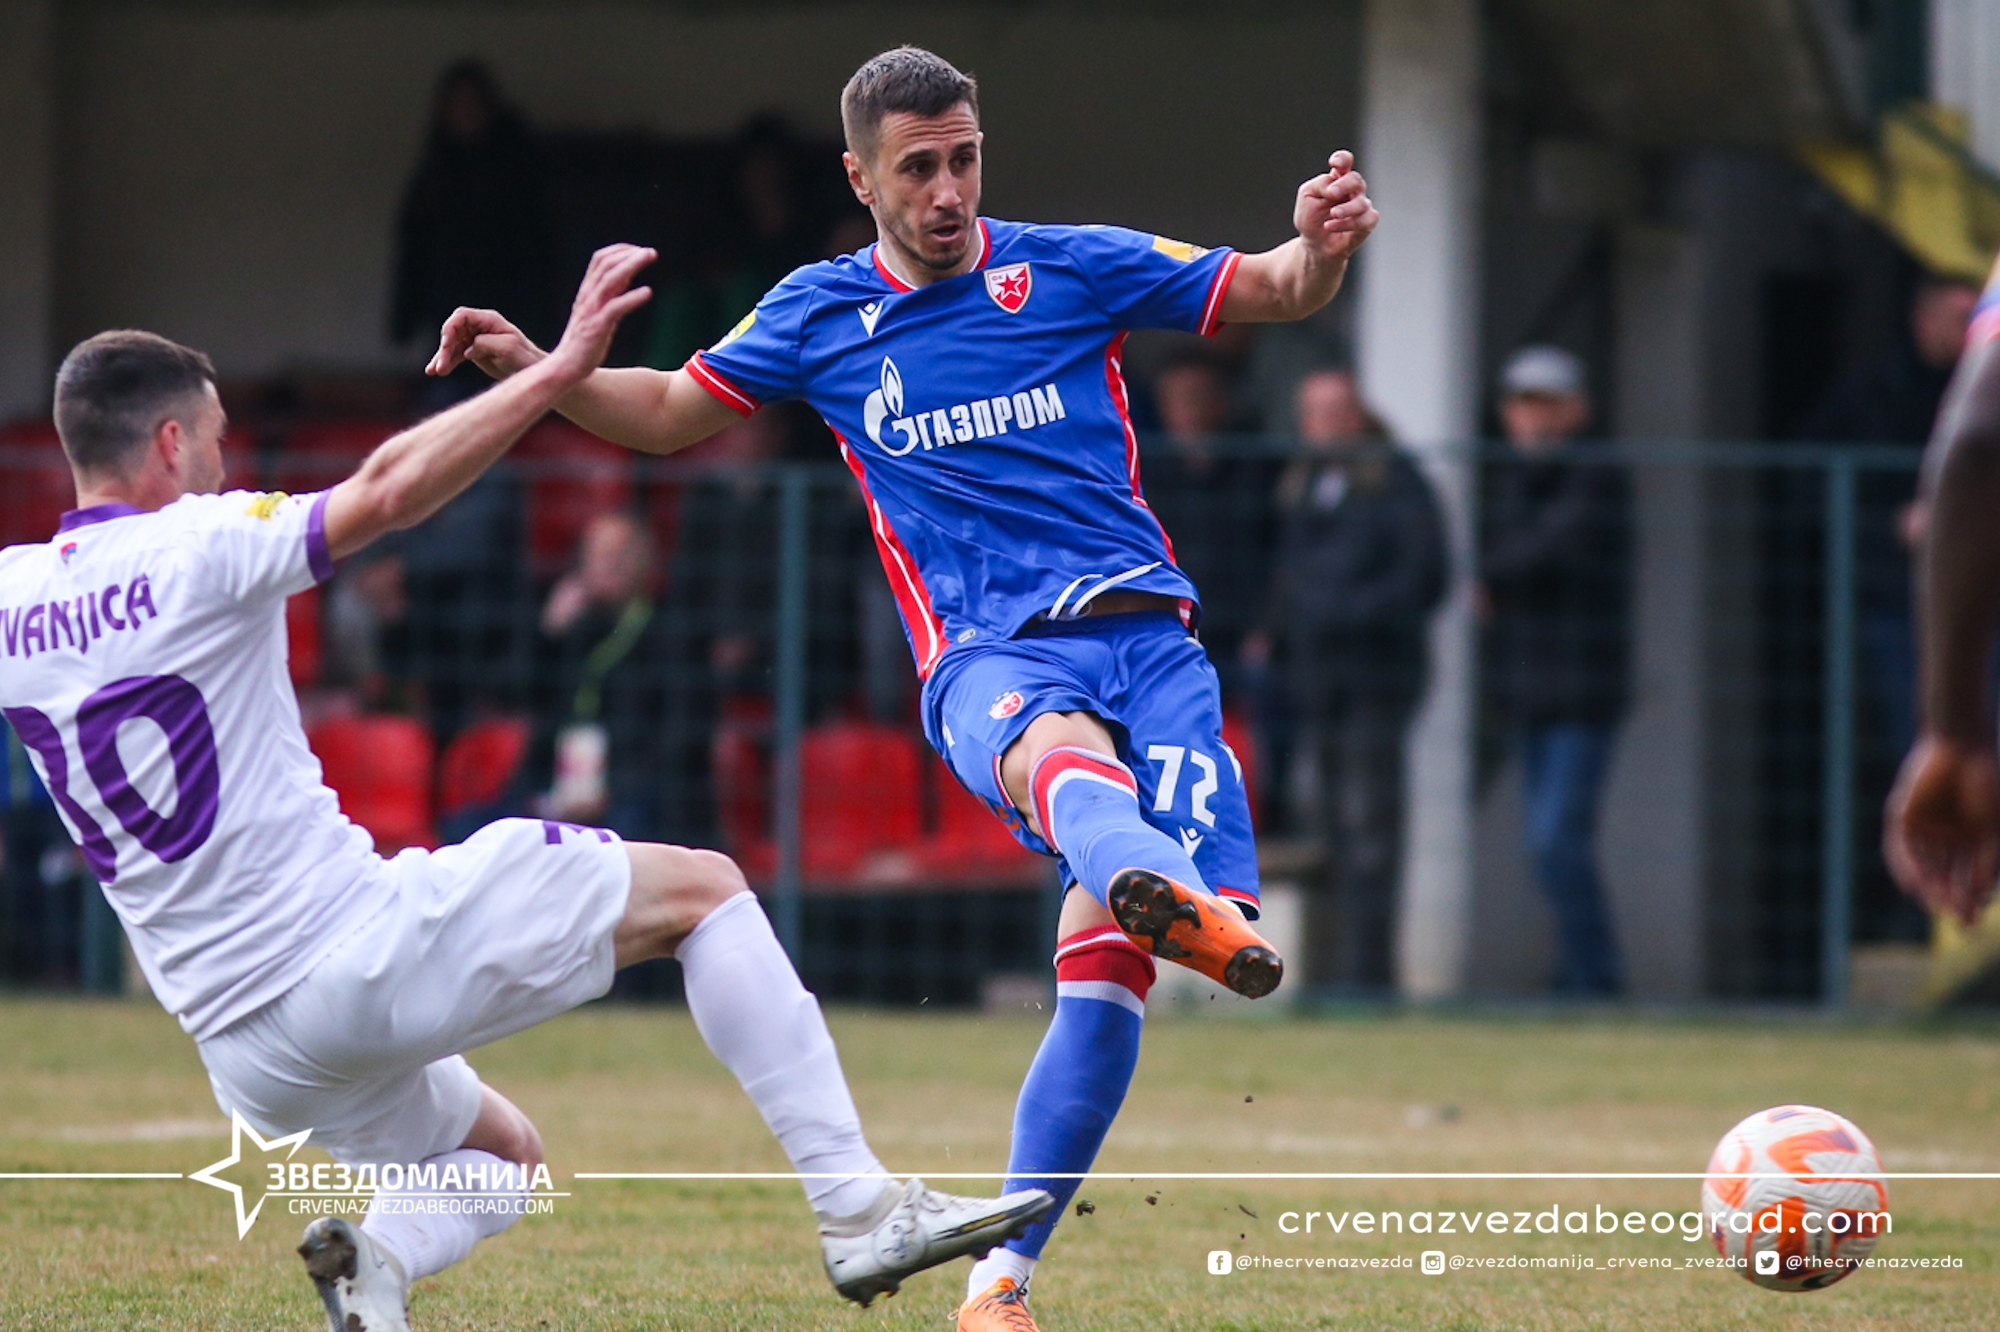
[869, 314]
[981, 418]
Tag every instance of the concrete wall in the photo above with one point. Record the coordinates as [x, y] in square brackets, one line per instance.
[1965, 68]
[27, 204]
[1678, 841]
[229, 174]
[1416, 350]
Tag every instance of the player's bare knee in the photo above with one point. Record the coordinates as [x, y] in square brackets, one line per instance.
[673, 889]
[505, 1130]
[709, 879]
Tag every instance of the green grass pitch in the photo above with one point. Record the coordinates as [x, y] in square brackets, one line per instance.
[117, 1087]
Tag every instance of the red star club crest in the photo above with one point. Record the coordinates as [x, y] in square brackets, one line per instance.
[1009, 286]
[1008, 703]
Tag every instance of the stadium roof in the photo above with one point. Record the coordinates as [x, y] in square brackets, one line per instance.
[1646, 73]
[1715, 73]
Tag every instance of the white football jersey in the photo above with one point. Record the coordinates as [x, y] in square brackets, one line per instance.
[143, 665]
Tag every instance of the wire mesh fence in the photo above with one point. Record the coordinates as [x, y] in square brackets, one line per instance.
[708, 653]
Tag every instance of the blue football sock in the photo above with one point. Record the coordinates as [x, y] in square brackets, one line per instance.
[1088, 804]
[1078, 1080]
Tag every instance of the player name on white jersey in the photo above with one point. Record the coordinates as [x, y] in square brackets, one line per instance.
[143, 667]
[76, 622]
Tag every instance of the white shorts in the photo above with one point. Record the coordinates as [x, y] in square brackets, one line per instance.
[482, 940]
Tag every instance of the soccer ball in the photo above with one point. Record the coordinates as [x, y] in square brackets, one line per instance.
[1795, 1196]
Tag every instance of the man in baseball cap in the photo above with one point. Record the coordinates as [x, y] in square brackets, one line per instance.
[1555, 570]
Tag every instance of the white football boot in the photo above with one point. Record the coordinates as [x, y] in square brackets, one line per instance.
[359, 1281]
[911, 1227]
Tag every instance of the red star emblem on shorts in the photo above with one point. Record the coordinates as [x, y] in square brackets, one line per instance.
[1009, 286]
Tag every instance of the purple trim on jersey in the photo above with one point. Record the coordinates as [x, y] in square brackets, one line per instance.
[318, 558]
[96, 513]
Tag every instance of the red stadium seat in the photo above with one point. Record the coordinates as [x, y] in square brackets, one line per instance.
[35, 485]
[862, 800]
[570, 476]
[1238, 734]
[302, 637]
[239, 461]
[36, 488]
[317, 456]
[479, 764]
[380, 767]
[742, 780]
[662, 506]
[863, 793]
[968, 845]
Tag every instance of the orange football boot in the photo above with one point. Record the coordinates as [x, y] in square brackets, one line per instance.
[1172, 921]
[1001, 1307]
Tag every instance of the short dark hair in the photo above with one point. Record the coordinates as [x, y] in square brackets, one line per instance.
[908, 79]
[115, 389]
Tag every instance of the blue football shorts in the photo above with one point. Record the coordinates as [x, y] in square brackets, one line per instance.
[1150, 681]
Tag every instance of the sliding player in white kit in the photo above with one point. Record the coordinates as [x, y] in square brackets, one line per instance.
[143, 664]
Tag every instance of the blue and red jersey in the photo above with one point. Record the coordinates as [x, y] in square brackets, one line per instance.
[1985, 325]
[985, 417]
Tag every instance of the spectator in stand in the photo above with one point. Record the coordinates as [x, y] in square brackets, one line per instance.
[367, 620]
[1361, 566]
[760, 233]
[1214, 501]
[475, 226]
[622, 730]
[1894, 401]
[468, 606]
[624, 742]
[1555, 594]
[475, 229]
[725, 568]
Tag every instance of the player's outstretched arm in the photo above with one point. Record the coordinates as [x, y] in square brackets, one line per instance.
[1333, 215]
[411, 476]
[653, 411]
[1941, 834]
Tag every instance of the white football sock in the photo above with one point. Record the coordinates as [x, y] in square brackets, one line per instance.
[426, 1240]
[1002, 1261]
[763, 1024]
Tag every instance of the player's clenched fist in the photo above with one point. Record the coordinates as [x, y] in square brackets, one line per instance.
[1334, 214]
[1942, 833]
[485, 338]
[489, 341]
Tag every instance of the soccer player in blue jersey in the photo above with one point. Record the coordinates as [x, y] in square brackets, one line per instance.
[970, 369]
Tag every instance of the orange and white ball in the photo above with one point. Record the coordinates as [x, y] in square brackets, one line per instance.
[1796, 1195]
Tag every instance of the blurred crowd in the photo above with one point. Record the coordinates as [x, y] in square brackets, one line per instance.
[598, 644]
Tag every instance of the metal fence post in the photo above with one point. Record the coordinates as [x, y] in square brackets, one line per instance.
[102, 969]
[1837, 776]
[794, 512]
